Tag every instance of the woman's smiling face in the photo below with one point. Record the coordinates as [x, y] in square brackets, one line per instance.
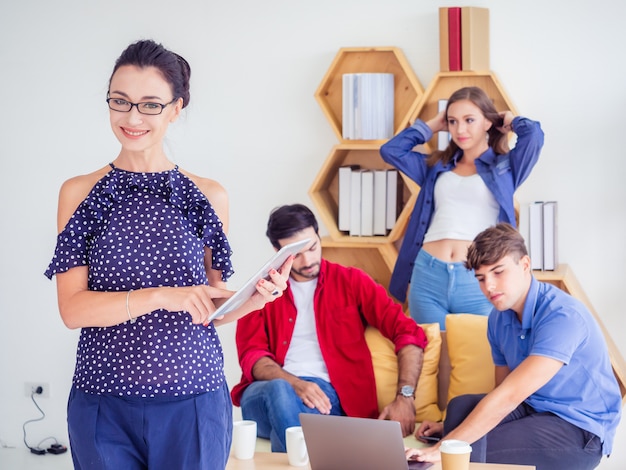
[137, 132]
[467, 125]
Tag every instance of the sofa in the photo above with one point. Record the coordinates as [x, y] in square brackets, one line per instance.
[456, 361]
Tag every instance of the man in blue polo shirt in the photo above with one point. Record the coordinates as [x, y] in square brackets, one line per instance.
[557, 403]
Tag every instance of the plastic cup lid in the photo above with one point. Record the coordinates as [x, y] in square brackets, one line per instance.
[454, 446]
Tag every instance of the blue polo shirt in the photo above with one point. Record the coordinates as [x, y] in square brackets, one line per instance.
[554, 324]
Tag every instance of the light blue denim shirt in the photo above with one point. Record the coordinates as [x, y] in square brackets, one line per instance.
[502, 174]
[584, 392]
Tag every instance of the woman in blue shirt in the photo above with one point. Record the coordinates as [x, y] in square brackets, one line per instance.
[465, 188]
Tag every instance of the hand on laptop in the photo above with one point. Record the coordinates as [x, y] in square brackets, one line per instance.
[422, 455]
[427, 454]
[312, 396]
[402, 409]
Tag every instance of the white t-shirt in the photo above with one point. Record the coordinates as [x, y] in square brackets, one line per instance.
[304, 356]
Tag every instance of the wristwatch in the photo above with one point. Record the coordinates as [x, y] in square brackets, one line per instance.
[407, 391]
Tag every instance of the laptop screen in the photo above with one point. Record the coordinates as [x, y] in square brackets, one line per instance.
[341, 442]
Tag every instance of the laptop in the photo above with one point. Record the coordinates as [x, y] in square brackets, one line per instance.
[342, 442]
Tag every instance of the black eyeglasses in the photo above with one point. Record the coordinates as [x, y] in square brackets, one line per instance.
[147, 107]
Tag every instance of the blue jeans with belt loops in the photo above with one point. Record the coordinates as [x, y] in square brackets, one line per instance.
[275, 406]
[439, 288]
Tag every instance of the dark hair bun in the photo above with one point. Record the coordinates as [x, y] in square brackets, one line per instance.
[148, 53]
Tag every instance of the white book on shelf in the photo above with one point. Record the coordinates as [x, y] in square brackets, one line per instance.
[394, 197]
[443, 137]
[367, 106]
[367, 203]
[535, 234]
[347, 107]
[550, 255]
[355, 202]
[344, 178]
[380, 202]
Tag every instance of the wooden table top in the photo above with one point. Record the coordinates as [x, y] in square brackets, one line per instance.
[275, 460]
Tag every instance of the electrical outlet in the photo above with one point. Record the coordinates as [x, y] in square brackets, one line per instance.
[30, 387]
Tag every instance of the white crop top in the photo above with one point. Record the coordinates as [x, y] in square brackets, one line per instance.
[464, 207]
[304, 356]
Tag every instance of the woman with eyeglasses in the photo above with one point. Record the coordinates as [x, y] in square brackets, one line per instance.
[141, 262]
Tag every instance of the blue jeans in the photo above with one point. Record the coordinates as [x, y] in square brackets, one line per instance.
[274, 405]
[439, 288]
[114, 433]
[527, 437]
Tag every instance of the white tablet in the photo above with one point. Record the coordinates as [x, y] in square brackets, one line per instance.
[249, 287]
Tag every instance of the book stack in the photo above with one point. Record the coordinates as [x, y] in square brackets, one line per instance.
[443, 137]
[463, 39]
[541, 235]
[369, 200]
[367, 106]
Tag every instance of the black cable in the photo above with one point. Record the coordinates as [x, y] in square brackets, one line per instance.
[49, 438]
[34, 450]
[54, 448]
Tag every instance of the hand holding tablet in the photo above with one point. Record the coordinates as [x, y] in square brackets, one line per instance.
[249, 288]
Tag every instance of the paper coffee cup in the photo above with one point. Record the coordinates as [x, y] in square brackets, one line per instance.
[244, 439]
[455, 454]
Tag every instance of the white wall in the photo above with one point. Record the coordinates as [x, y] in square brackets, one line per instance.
[254, 125]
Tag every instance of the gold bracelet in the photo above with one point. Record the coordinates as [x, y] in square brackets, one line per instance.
[130, 317]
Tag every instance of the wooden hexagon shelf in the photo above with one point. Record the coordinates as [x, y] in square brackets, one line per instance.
[324, 191]
[446, 83]
[407, 88]
[376, 260]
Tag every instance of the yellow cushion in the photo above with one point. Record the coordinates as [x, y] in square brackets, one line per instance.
[386, 372]
[470, 355]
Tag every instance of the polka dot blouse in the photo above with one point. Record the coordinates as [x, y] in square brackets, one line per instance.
[137, 230]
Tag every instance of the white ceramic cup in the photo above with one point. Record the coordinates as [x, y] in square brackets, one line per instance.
[244, 439]
[296, 447]
[455, 454]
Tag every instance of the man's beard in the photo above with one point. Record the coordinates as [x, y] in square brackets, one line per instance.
[308, 274]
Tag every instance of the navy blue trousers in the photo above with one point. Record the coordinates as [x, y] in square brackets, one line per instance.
[113, 433]
[526, 437]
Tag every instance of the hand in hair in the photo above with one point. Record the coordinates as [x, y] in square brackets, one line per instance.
[438, 123]
[506, 124]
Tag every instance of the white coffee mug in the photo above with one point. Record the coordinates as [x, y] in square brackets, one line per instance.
[244, 439]
[296, 447]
